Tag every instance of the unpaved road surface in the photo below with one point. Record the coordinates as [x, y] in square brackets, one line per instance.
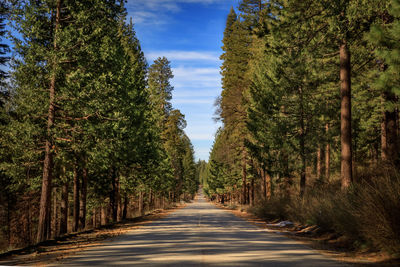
[200, 235]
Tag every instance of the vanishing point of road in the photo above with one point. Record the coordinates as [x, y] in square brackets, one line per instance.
[200, 235]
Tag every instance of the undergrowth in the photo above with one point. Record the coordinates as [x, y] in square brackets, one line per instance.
[367, 214]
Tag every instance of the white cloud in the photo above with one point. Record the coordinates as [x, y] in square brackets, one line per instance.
[197, 71]
[184, 55]
[192, 101]
[182, 74]
[200, 136]
[142, 17]
[185, 93]
[202, 130]
[153, 12]
[168, 5]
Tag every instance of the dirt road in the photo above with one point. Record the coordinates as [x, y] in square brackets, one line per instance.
[200, 235]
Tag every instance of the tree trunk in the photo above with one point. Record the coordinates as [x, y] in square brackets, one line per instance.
[345, 116]
[252, 198]
[75, 222]
[64, 209]
[384, 151]
[125, 209]
[141, 203]
[82, 204]
[94, 218]
[244, 177]
[150, 201]
[8, 229]
[114, 195]
[55, 213]
[119, 203]
[49, 218]
[103, 215]
[264, 181]
[319, 162]
[269, 188]
[389, 135]
[327, 155]
[302, 146]
[48, 165]
[397, 122]
[29, 213]
[286, 174]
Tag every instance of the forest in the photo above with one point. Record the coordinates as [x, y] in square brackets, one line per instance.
[88, 136]
[310, 117]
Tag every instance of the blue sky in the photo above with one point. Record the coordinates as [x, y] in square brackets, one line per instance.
[189, 33]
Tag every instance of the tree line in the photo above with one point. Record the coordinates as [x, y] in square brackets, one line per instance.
[310, 102]
[88, 132]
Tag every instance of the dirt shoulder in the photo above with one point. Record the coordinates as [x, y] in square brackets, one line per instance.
[53, 251]
[326, 243]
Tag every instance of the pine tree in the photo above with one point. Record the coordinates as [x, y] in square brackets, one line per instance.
[160, 88]
[173, 135]
[251, 12]
[4, 49]
[234, 68]
[385, 37]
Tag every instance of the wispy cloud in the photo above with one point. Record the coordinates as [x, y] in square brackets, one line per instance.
[202, 130]
[196, 78]
[199, 136]
[143, 17]
[184, 55]
[184, 93]
[154, 12]
[192, 101]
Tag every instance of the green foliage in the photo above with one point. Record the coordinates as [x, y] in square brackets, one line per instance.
[386, 38]
[201, 171]
[160, 89]
[170, 123]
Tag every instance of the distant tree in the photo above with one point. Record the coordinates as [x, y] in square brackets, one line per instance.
[160, 89]
[201, 171]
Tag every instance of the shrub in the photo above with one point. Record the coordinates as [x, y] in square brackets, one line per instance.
[313, 209]
[378, 211]
[275, 208]
[368, 213]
